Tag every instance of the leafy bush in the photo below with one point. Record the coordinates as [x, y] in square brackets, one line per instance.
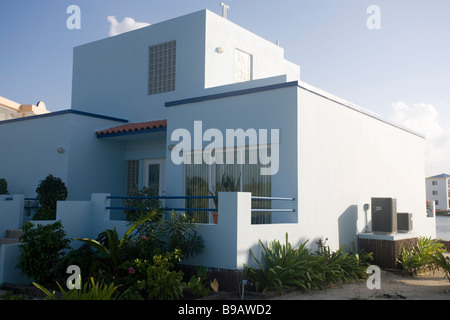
[143, 262]
[154, 279]
[41, 248]
[343, 265]
[49, 192]
[113, 247]
[421, 255]
[143, 205]
[283, 266]
[160, 235]
[3, 186]
[197, 284]
[83, 257]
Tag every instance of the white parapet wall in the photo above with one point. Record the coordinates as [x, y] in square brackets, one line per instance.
[79, 219]
[11, 212]
[228, 243]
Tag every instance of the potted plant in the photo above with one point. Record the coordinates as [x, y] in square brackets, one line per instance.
[225, 184]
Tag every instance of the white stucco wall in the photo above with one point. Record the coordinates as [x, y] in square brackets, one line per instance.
[272, 109]
[267, 57]
[347, 157]
[111, 76]
[29, 153]
[333, 159]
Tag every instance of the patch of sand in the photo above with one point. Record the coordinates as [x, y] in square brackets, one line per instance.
[427, 286]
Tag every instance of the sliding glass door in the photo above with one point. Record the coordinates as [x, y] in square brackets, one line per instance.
[240, 171]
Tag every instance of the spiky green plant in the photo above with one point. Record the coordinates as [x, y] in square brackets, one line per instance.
[421, 255]
[282, 266]
[92, 290]
[443, 262]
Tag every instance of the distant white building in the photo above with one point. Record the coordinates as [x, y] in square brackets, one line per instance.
[438, 190]
[132, 95]
[12, 110]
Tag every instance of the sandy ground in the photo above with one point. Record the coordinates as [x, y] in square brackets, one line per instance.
[427, 286]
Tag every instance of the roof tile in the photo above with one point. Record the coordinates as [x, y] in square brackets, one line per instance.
[133, 127]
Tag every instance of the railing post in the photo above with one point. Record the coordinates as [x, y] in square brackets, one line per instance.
[100, 214]
[234, 222]
[21, 199]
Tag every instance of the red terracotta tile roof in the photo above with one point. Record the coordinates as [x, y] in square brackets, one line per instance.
[134, 127]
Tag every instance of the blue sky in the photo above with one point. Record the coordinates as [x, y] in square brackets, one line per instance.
[401, 71]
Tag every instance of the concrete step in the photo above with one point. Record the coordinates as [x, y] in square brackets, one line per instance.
[14, 233]
[8, 241]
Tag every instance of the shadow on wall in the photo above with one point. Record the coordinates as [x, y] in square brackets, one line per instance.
[347, 227]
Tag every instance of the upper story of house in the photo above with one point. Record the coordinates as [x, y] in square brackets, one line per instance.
[12, 110]
[134, 74]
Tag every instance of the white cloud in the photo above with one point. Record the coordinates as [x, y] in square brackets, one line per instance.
[128, 24]
[424, 118]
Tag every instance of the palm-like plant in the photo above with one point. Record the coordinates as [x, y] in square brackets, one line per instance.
[113, 246]
[443, 262]
[89, 291]
[225, 184]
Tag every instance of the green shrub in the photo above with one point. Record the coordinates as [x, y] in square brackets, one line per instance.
[196, 284]
[3, 186]
[144, 206]
[154, 279]
[343, 265]
[421, 255]
[157, 236]
[49, 192]
[113, 248]
[83, 257]
[282, 267]
[42, 246]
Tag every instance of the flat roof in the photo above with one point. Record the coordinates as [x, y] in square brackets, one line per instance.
[63, 112]
[299, 84]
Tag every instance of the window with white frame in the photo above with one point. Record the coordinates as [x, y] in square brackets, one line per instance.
[435, 193]
[243, 68]
[132, 174]
[434, 183]
[162, 67]
[202, 178]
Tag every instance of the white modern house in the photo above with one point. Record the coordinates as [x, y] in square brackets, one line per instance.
[181, 104]
[438, 190]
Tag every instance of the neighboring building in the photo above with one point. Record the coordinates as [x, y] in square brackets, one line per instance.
[438, 190]
[135, 95]
[11, 110]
